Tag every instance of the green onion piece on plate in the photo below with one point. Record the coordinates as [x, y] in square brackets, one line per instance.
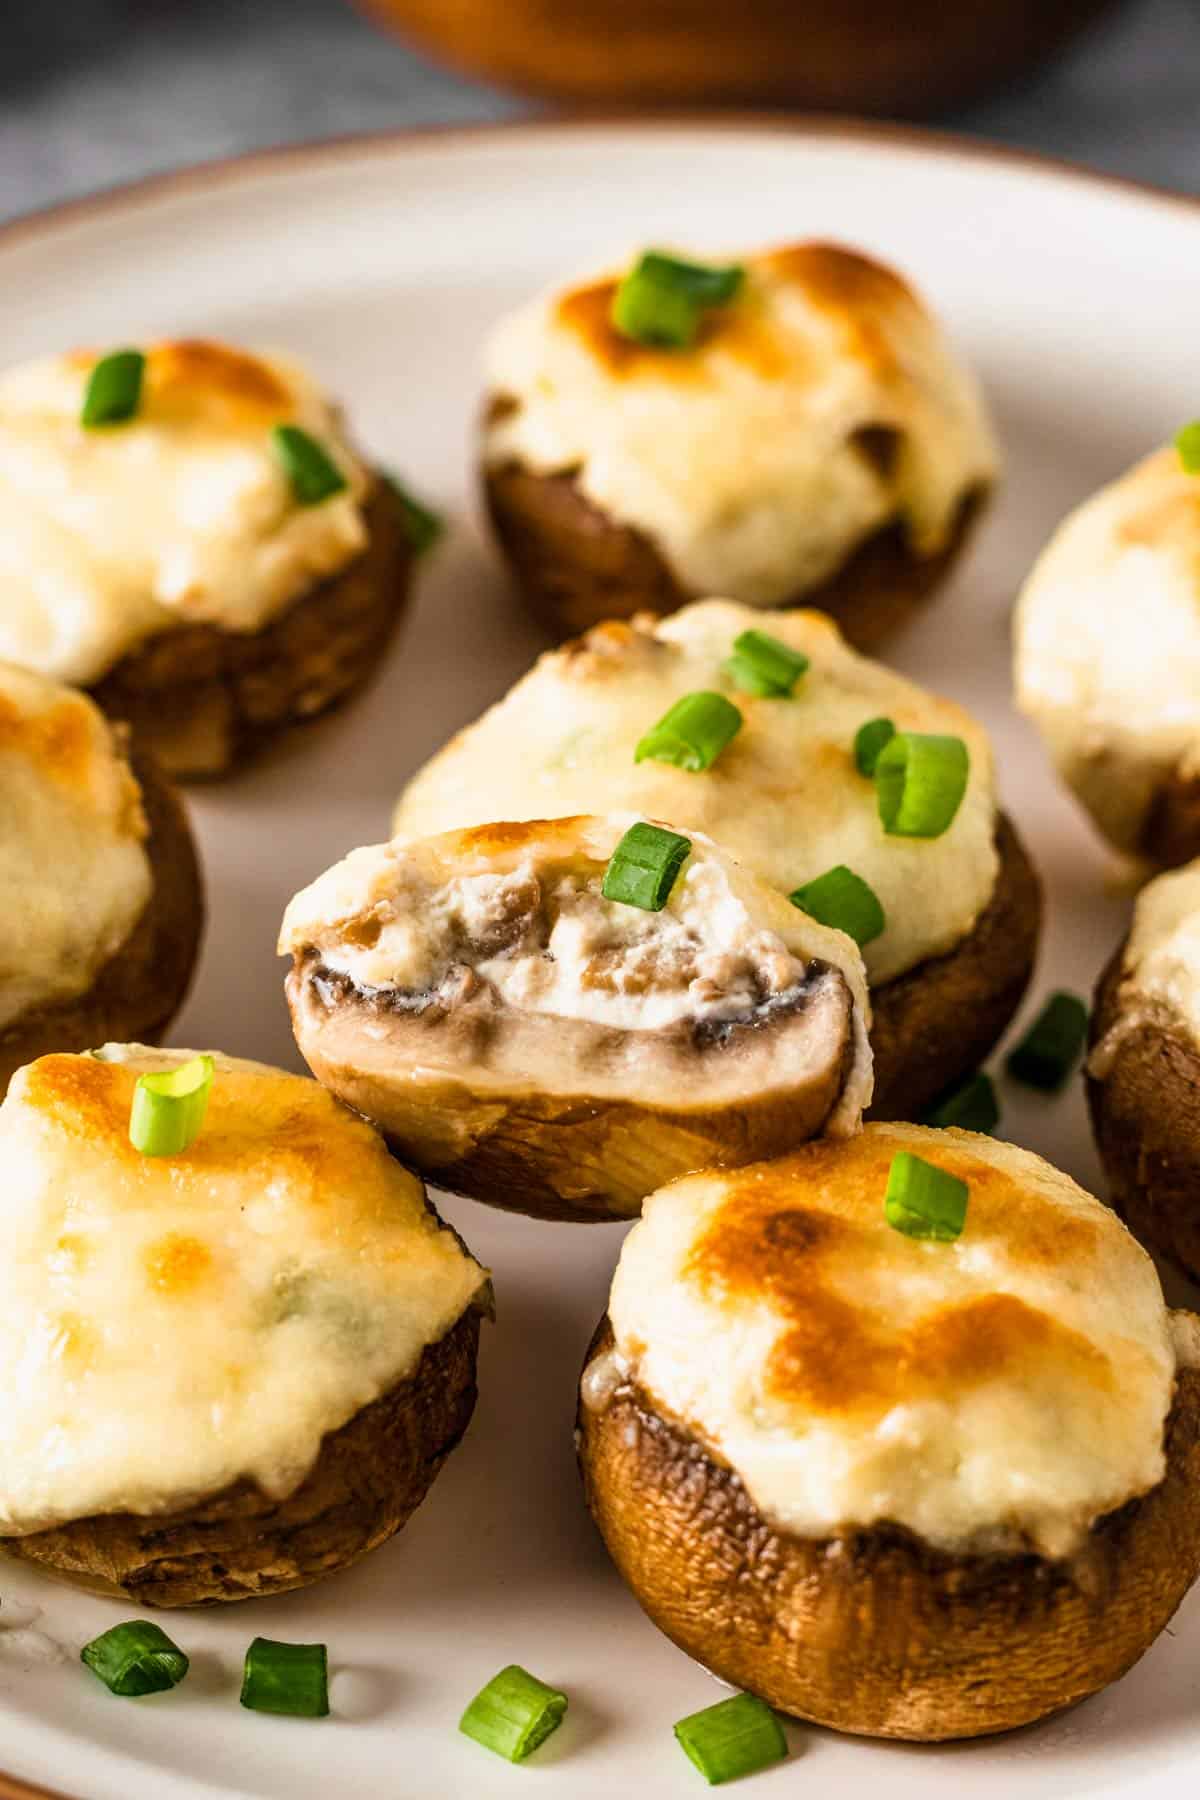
[924, 1201]
[1053, 1044]
[135, 1658]
[114, 389]
[661, 301]
[311, 470]
[735, 1737]
[692, 733]
[1187, 442]
[762, 665]
[286, 1678]
[169, 1107]
[972, 1106]
[422, 527]
[920, 780]
[514, 1713]
[643, 868]
[869, 740]
[844, 900]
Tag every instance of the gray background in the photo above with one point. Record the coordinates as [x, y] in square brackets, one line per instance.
[94, 92]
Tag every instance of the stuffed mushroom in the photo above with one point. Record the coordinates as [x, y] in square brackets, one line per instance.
[99, 883]
[1144, 1069]
[186, 532]
[808, 435]
[557, 1016]
[230, 1370]
[897, 1433]
[1108, 658]
[950, 938]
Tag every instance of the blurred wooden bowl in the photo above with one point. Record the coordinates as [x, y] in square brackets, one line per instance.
[861, 55]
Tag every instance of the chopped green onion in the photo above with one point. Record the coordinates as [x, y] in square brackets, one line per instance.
[920, 780]
[735, 1737]
[644, 865]
[135, 1658]
[114, 389]
[286, 1678]
[924, 1201]
[422, 527]
[869, 740]
[1053, 1044]
[972, 1106]
[514, 1713]
[708, 284]
[762, 665]
[169, 1107]
[1187, 442]
[692, 733]
[844, 900]
[311, 470]
[661, 300]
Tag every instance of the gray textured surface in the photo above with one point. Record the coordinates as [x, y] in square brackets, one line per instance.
[94, 92]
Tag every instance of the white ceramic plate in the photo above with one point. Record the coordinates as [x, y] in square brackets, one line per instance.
[384, 262]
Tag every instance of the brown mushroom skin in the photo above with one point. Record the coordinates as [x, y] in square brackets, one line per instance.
[139, 990]
[875, 1633]
[1146, 1120]
[206, 701]
[1171, 831]
[576, 566]
[934, 1025]
[368, 1480]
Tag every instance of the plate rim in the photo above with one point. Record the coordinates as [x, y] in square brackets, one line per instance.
[224, 171]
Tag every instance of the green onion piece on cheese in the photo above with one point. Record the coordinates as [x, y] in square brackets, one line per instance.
[972, 1106]
[135, 1658]
[114, 389]
[920, 780]
[708, 284]
[286, 1678]
[643, 868]
[514, 1713]
[735, 1737]
[869, 740]
[422, 527]
[692, 733]
[1053, 1044]
[312, 472]
[844, 900]
[661, 301]
[762, 665]
[1187, 442]
[924, 1201]
[169, 1107]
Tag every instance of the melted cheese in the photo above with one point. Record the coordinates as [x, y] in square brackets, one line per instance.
[785, 797]
[74, 873]
[168, 1326]
[748, 458]
[1108, 644]
[1161, 964]
[181, 516]
[1009, 1387]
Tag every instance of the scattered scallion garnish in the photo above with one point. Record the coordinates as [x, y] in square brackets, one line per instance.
[514, 1713]
[924, 1201]
[422, 527]
[114, 389]
[972, 1106]
[1053, 1044]
[135, 1658]
[662, 300]
[692, 733]
[1187, 442]
[312, 472]
[765, 666]
[286, 1678]
[735, 1737]
[920, 780]
[869, 740]
[844, 900]
[643, 868]
[169, 1107]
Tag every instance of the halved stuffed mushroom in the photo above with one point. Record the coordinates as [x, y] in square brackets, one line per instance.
[237, 1343]
[187, 532]
[557, 1016]
[99, 883]
[771, 759]
[897, 1433]
[793, 427]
